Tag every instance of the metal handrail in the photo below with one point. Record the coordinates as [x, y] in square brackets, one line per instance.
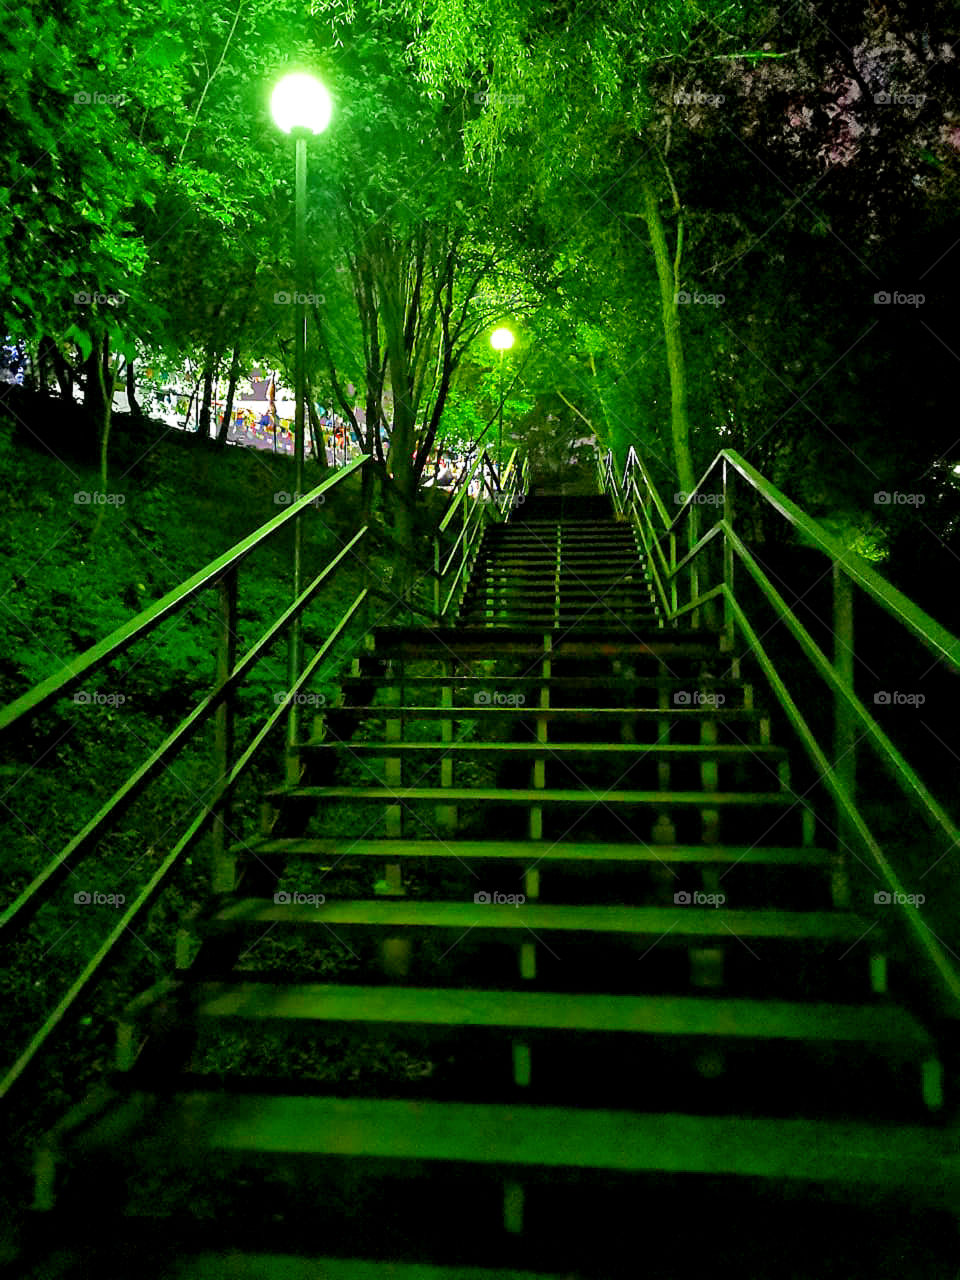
[222, 573]
[506, 488]
[936, 637]
[461, 490]
[197, 827]
[677, 578]
[75, 850]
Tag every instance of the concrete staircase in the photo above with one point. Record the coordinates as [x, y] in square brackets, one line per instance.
[540, 958]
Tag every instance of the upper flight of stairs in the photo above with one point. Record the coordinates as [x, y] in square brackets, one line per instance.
[586, 962]
[560, 562]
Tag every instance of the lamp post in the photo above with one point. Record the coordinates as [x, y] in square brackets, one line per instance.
[300, 106]
[501, 340]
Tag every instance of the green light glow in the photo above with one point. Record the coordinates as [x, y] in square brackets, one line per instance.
[301, 101]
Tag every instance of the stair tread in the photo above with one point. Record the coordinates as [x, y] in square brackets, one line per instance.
[494, 639]
[381, 710]
[633, 588]
[276, 1266]
[575, 616]
[709, 751]
[707, 683]
[609, 541]
[684, 634]
[529, 613]
[543, 547]
[612, 536]
[491, 641]
[595, 588]
[622, 569]
[920, 1159]
[661, 1015]
[531, 850]
[589, 795]
[561, 617]
[574, 608]
[570, 566]
[681, 921]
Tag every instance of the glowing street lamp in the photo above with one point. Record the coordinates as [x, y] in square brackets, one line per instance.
[501, 340]
[300, 106]
[300, 101]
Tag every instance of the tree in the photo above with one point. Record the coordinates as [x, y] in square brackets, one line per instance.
[404, 236]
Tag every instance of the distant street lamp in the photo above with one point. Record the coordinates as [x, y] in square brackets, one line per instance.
[300, 106]
[501, 340]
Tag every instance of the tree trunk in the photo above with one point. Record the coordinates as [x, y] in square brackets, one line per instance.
[404, 476]
[190, 404]
[680, 427]
[228, 407]
[94, 386]
[316, 431]
[203, 418]
[404, 487]
[105, 376]
[44, 365]
[49, 356]
[132, 392]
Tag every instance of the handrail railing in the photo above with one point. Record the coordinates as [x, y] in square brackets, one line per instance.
[702, 576]
[451, 569]
[214, 810]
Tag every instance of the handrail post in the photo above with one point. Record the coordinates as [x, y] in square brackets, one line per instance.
[844, 726]
[436, 577]
[674, 589]
[294, 663]
[728, 558]
[693, 536]
[223, 873]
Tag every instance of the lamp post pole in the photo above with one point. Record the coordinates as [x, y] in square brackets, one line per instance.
[295, 653]
[500, 425]
[301, 107]
[501, 340]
